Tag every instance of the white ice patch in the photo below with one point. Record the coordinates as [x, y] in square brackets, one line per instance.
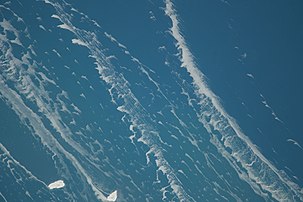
[113, 196]
[42, 27]
[295, 143]
[152, 16]
[55, 16]
[56, 185]
[65, 26]
[78, 42]
[250, 76]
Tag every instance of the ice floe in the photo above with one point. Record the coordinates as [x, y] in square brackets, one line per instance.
[113, 196]
[56, 185]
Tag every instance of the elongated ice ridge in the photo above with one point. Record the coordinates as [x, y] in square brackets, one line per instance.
[263, 176]
[20, 178]
[23, 85]
[120, 92]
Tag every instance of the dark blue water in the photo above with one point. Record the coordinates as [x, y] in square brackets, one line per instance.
[126, 96]
[270, 35]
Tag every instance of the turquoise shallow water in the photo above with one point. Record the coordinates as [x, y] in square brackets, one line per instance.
[161, 101]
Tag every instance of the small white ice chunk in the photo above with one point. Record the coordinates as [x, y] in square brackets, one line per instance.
[56, 185]
[78, 42]
[113, 196]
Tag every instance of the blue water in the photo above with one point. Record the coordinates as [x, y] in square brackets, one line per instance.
[200, 101]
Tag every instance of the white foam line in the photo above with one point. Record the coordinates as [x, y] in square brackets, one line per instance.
[143, 68]
[210, 164]
[38, 94]
[3, 197]
[47, 139]
[21, 175]
[57, 53]
[7, 153]
[119, 90]
[114, 40]
[264, 102]
[285, 188]
[25, 87]
[19, 19]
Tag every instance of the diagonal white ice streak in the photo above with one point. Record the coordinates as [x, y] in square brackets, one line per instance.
[5, 152]
[121, 93]
[36, 124]
[19, 86]
[3, 197]
[20, 173]
[250, 164]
